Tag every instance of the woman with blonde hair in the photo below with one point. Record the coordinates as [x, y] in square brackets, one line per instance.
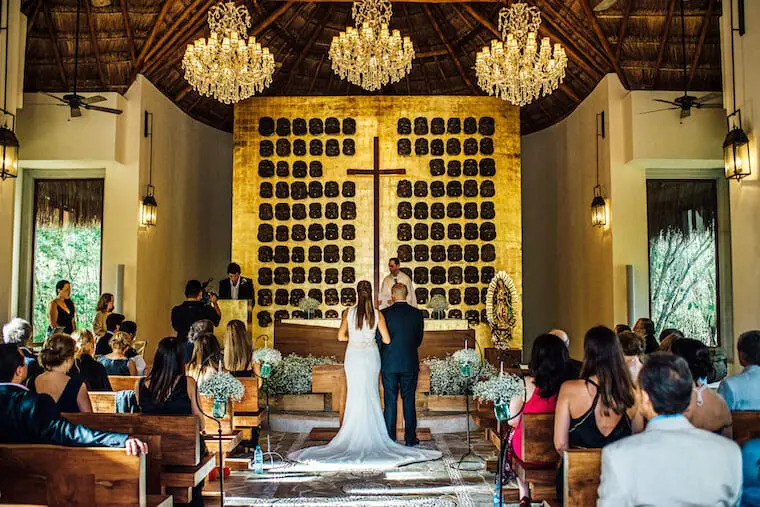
[237, 350]
[57, 357]
[102, 311]
[117, 363]
[206, 359]
[92, 372]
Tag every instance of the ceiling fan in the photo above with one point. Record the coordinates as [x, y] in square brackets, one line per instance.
[686, 102]
[74, 101]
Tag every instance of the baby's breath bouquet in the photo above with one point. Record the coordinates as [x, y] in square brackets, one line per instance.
[499, 389]
[438, 305]
[293, 374]
[267, 355]
[469, 356]
[221, 386]
[446, 378]
[308, 306]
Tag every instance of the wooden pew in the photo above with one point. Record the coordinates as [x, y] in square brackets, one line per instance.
[182, 466]
[746, 426]
[103, 402]
[246, 412]
[74, 476]
[123, 382]
[538, 467]
[581, 476]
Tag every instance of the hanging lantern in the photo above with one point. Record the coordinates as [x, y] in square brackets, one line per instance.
[598, 208]
[149, 208]
[9, 147]
[736, 150]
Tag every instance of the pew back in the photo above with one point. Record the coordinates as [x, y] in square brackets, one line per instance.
[746, 426]
[180, 434]
[123, 382]
[582, 474]
[71, 476]
[103, 402]
[538, 439]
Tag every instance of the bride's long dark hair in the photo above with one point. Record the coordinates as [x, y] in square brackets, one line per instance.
[365, 310]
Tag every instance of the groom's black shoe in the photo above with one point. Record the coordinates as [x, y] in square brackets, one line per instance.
[413, 444]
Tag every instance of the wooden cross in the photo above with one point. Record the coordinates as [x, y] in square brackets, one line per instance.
[376, 172]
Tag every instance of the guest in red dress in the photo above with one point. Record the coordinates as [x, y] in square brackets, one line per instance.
[549, 368]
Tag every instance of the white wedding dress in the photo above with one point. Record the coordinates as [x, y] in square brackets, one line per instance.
[363, 440]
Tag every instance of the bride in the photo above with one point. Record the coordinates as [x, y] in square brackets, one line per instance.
[363, 439]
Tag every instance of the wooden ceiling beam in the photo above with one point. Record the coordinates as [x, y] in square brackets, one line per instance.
[94, 40]
[54, 41]
[452, 55]
[421, 65]
[663, 42]
[33, 18]
[315, 33]
[623, 28]
[701, 43]
[152, 36]
[178, 28]
[316, 72]
[128, 29]
[605, 42]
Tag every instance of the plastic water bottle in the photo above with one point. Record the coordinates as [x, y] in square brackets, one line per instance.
[497, 493]
[258, 460]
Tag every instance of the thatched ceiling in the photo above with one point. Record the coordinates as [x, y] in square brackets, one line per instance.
[640, 40]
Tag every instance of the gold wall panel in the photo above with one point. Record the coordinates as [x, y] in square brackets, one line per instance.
[377, 116]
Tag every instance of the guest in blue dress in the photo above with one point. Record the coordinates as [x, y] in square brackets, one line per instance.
[117, 363]
[751, 473]
[68, 393]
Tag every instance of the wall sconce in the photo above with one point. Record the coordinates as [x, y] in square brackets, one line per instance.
[736, 160]
[598, 204]
[149, 206]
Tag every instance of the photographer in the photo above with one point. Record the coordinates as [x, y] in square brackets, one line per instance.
[194, 309]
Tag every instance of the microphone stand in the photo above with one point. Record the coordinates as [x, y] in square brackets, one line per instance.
[221, 453]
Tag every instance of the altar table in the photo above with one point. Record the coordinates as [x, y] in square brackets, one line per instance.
[319, 337]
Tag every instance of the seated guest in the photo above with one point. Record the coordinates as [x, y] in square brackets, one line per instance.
[103, 309]
[645, 327]
[667, 332]
[619, 328]
[235, 286]
[547, 371]
[573, 365]
[207, 357]
[113, 321]
[168, 391]
[130, 328]
[633, 348]
[672, 462]
[237, 350]
[68, 393]
[666, 345]
[19, 332]
[31, 418]
[600, 407]
[742, 391]
[708, 411]
[751, 473]
[116, 362]
[194, 309]
[198, 328]
[92, 372]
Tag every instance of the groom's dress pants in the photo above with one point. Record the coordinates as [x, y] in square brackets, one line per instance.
[407, 383]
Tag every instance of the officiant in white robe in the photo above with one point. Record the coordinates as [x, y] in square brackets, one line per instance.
[395, 276]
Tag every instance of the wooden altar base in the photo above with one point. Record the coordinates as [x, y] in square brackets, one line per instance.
[326, 434]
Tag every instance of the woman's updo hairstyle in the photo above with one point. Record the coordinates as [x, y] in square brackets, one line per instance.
[631, 343]
[119, 340]
[58, 349]
[697, 355]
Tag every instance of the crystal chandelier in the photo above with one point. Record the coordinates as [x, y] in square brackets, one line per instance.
[224, 66]
[369, 56]
[514, 68]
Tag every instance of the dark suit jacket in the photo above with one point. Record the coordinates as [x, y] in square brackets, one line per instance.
[29, 418]
[245, 291]
[406, 326]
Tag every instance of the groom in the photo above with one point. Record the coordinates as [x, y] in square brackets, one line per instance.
[400, 363]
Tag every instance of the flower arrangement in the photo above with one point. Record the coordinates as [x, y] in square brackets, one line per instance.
[308, 304]
[293, 374]
[499, 389]
[469, 356]
[222, 386]
[267, 355]
[438, 303]
[446, 378]
[501, 301]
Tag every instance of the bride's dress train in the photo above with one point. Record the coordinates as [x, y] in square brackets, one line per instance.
[363, 440]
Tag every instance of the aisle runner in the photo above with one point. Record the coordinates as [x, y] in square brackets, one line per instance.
[463, 497]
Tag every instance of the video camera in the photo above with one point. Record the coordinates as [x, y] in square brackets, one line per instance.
[206, 299]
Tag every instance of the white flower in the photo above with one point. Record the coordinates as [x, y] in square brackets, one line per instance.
[293, 374]
[438, 303]
[498, 389]
[308, 304]
[222, 386]
[267, 355]
[469, 356]
[446, 377]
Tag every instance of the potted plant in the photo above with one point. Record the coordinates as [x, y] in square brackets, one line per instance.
[438, 306]
[222, 386]
[267, 358]
[499, 390]
[308, 306]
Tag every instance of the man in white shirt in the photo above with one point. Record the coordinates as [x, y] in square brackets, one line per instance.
[385, 299]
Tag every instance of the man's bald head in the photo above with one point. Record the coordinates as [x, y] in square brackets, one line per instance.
[399, 292]
[561, 335]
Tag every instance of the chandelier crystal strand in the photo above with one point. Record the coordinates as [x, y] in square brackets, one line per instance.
[225, 67]
[516, 68]
[371, 56]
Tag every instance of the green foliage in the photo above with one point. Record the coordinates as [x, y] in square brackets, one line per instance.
[71, 253]
[293, 374]
[683, 283]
